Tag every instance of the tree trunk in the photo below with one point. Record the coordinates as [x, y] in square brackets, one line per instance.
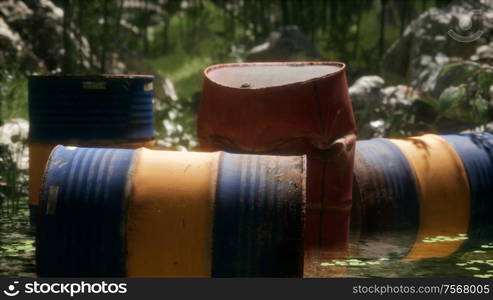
[67, 65]
[358, 29]
[105, 37]
[146, 27]
[381, 42]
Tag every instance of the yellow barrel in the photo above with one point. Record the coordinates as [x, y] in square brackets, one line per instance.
[444, 195]
[148, 213]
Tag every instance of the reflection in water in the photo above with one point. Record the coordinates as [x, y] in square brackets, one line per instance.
[377, 256]
[391, 249]
[442, 238]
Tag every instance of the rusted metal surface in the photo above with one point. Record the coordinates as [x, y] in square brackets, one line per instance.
[385, 201]
[291, 117]
[290, 109]
[263, 232]
[412, 196]
[476, 153]
[146, 213]
[82, 210]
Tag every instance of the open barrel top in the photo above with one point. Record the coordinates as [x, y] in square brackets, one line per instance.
[267, 75]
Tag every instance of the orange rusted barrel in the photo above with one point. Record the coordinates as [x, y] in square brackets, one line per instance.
[96, 111]
[148, 213]
[385, 212]
[290, 108]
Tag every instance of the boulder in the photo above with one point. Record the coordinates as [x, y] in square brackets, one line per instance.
[10, 42]
[39, 24]
[376, 105]
[426, 46]
[13, 134]
[366, 89]
[484, 54]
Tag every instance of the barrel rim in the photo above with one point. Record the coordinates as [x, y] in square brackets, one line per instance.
[341, 65]
[44, 176]
[90, 76]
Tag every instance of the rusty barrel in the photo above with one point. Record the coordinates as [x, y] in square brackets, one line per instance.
[476, 153]
[385, 215]
[148, 213]
[414, 197]
[96, 111]
[290, 108]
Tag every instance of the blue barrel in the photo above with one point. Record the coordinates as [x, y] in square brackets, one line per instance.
[67, 108]
[83, 213]
[476, 153]
[147, 213]
[93, 111]
[385, 200]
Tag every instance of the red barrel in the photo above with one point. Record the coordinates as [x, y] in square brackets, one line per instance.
[290, 108]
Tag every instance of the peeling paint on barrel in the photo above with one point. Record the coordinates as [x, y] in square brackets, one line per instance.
[171, 214]
[290, 108]
[450, 182]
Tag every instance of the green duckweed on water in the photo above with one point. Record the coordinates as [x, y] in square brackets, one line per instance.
[17, 245]
[441, 238]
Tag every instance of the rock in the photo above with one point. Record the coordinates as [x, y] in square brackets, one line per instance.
[366, 89]
[425, 47]
[476, 80]
[164, 89]
[169, 89]
[375, 105]
[15, 10]
[14, 134]
[164, 92]
[10, 42]
[366, 96]
[464, 96]
[400, 95]
[39, 24]
[287, 44]
[484, 54]
[454, 74]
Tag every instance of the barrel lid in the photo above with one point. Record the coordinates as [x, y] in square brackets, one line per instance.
[91, 76]
[266, 75]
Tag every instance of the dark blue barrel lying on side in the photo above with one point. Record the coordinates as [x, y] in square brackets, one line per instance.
[476, 153]
[82, 220]
[259, 217]
[386, 200]
[66, 108]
